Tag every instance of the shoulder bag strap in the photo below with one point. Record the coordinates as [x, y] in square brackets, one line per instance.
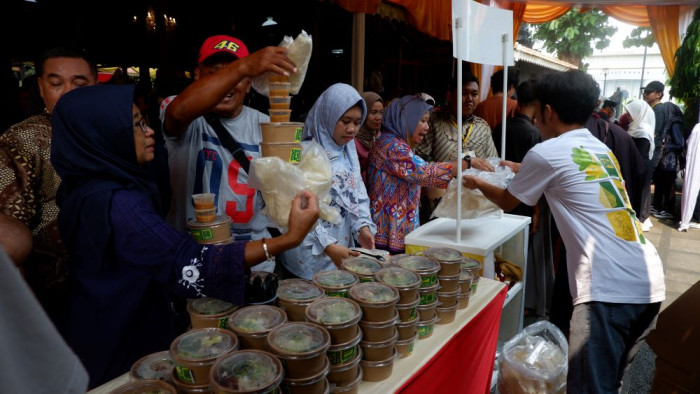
[228, 142]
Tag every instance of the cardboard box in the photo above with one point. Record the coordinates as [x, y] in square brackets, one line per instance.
[676, 342]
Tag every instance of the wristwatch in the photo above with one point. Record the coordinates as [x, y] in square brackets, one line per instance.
[469, 161]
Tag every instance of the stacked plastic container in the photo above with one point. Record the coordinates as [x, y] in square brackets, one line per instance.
[207, 227]
[280, 137]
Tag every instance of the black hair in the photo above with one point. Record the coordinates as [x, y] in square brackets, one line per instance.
[497, 80]
[526, 93]
[467, 77]
[572, 94]
[65, 51]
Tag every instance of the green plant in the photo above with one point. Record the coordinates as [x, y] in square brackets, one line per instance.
[685, 83]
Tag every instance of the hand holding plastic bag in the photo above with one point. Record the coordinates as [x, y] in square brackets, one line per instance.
[534, 361]
[299, 51]
[279, 182]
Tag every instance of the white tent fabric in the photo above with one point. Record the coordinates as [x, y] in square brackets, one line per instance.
[691, 183]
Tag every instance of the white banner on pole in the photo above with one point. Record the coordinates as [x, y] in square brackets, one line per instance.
[480, 37]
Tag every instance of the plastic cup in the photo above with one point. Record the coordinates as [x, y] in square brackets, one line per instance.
[279, 88]
[302, 346]
[378, 351]
[247, 371]
[404, 347]
[376, 371]
[378, 331]
[448, 299]
[315, 384]
[427, 312]
[338, 315]
[280, 102]
[195, 351]
[146, 386]
[155, 366]
[473, 266]
[287, 151]
[346, 373]
[336, 283]
[295, 296]
[449, 259]
[206, 215]
[363, 267]
[426, 267]
[281, 132]
[210, 312]
[404, 280]
[278, 78]
[425, 328]
[465, 281]
[351, 387]
[448, 283]
[428, 295]
[377, 300]
[463, 300]
[407, 329]
[210, 233]
[253, 323]
[446, 314]
[280, 115]
[203, 200]
[408, 312]
[344, 353]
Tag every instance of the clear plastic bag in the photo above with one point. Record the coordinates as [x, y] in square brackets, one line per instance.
[474, 204]
[534, 361]
[279, 182]
[299, 51]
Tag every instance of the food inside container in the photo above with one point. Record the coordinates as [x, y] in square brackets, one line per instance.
[195, 351]
[404, 280]
[280, 102]
[253, 323]
[155, 366]
[336, 282]
[209, 312]
[473, 266]
[302, 346]
[449, 259]
[247, 371]
[146, 386]
[376, 371]
[426, 267]
[377, 300]
[465, 280]
[295, 296]
[364, 267]
[203, 200]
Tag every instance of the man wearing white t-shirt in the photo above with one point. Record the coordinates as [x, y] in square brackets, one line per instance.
[616, 277]
[199, 161]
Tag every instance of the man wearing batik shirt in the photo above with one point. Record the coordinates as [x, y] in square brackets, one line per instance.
[28, 181]
[616, 277]
[440, 143]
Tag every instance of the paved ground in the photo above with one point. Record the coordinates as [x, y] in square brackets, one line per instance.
[680, 252]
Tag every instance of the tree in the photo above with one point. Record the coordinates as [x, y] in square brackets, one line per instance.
[639, 37]
[574, 35]
[685, 83]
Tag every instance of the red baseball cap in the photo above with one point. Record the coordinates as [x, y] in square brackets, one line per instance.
[219, 44]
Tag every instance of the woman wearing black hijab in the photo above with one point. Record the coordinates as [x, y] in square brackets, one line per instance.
[125, 260]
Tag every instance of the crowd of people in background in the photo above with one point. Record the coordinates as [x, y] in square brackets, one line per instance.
[95, 195]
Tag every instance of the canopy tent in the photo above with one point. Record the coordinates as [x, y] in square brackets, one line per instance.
[433, 17]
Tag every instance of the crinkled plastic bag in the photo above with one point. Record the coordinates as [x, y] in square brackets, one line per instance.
[299, 51]
[279, 182]
[534, 361]
[474, 204]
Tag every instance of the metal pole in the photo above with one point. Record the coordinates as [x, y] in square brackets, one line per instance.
[504, 41]
[460, 55]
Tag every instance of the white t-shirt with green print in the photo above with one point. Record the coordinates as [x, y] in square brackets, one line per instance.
[608, 257]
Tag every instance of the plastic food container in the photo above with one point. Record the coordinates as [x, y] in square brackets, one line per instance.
[336, 283]
[448, 283]
[378, 351]
[378, 331]
[473, 266]
[295, 296]
[425, 328]
[317, 384]
[363, 267]
[146, 386]
[247, 371]
[203, 200]
[376, 371]
[253, 323]
[280, 115]
[280, 102]
[346, 373]
[377, 300]
[183, 388]
[407, 329]
[281, 131]
[208, 233]
[195, 351]
[408, 312]
[428, 295]
[302, 348]
[427, 312]
[344, 353]
[425, 267]
[463, 300]
[351, 387]
[446, 314]
[404, 280]
[279, 88]
[338, 315]
[261, 288]
[155, 366]
[278, 78]
[404, 347]
[465, 281]
[209, 312]
[287, 151]
[449, 259]
[448, 299]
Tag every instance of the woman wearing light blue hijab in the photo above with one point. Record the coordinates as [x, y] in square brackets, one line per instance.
[333, 122]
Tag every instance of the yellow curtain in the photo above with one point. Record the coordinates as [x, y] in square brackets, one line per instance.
[538, 13]
[633, 14]
[366, 6]
[664, 25]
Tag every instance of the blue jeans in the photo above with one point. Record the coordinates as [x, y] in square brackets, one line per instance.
[603, 341]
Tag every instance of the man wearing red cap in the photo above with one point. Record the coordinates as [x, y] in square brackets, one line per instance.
[199, 161]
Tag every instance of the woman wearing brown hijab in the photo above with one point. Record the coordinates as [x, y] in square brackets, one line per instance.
[370, 129]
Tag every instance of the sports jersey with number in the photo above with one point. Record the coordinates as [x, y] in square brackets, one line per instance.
[608, 257]
[200, 164]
